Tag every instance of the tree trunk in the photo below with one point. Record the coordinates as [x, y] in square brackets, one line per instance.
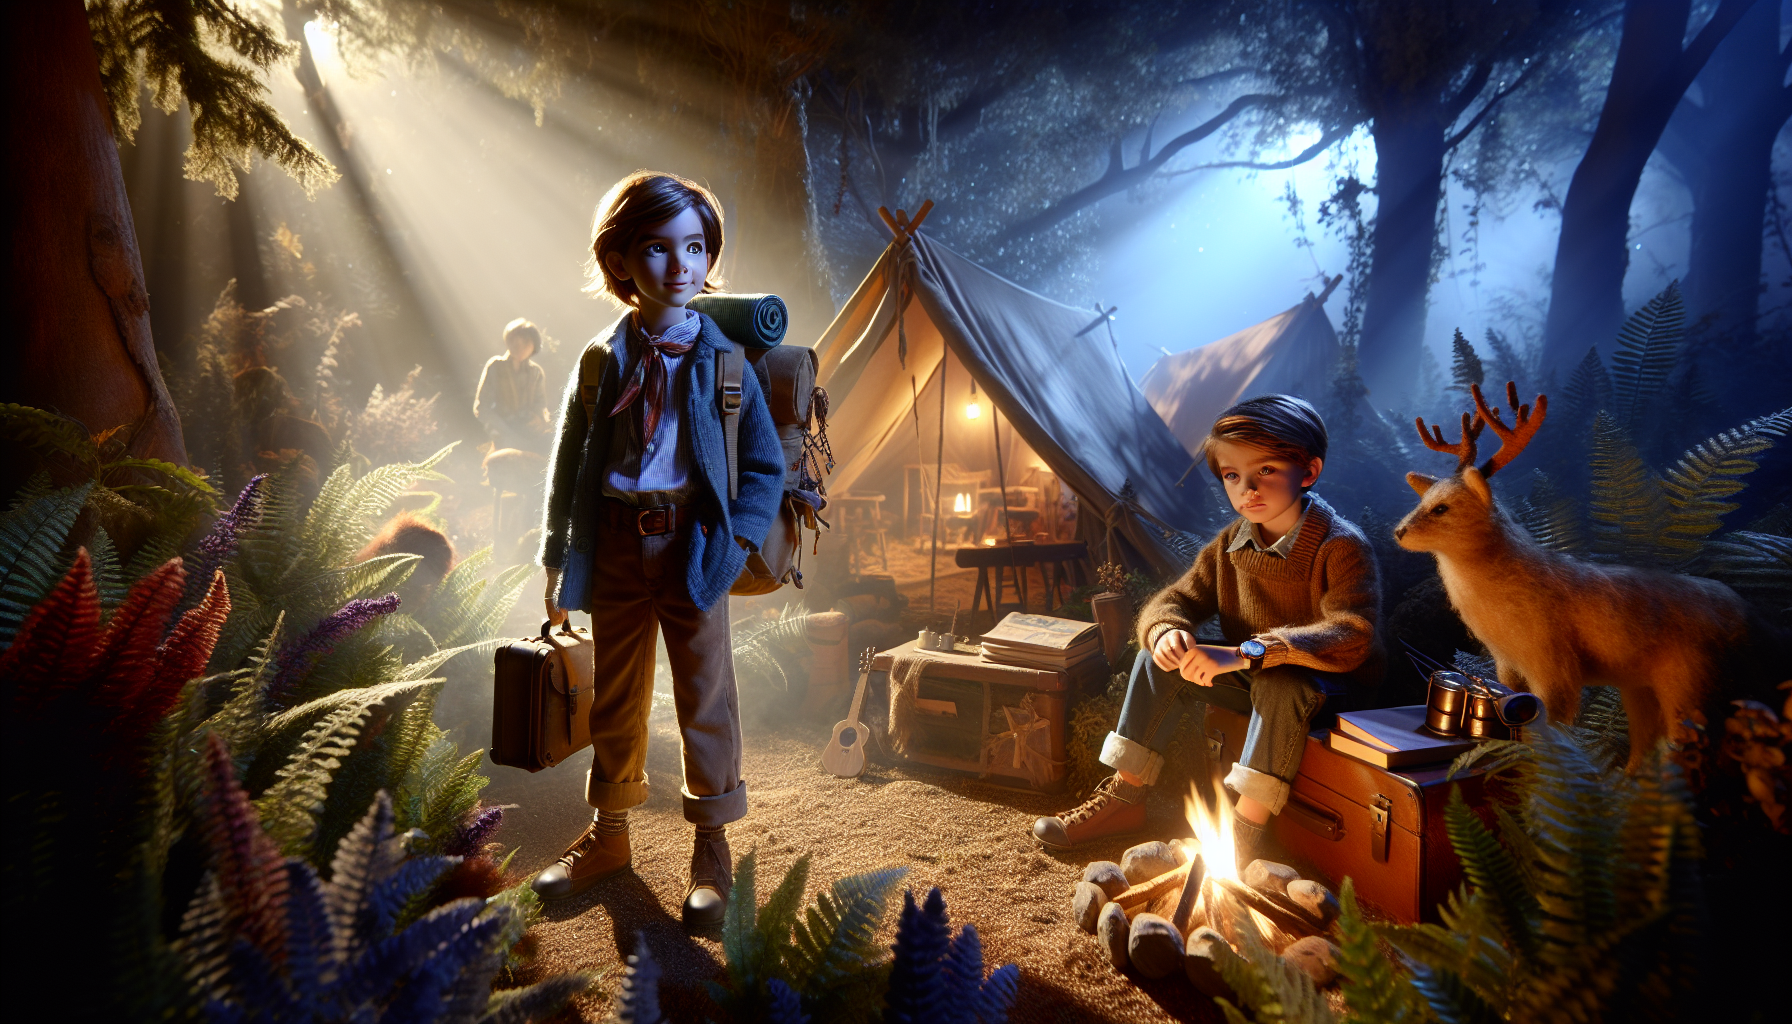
[1651, 73]
[77, 308]
[1728, 169]
[1409, 153]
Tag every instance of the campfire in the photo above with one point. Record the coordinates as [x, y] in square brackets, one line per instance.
[1167, 905]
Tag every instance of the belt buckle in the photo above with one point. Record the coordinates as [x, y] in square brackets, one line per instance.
[652, 522]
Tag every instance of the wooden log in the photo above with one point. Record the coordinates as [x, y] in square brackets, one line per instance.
[1191, 894]
[1284, 916]
[1138, 898]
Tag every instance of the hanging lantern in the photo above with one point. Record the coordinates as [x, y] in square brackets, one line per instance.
[972, 410]
[961, 504]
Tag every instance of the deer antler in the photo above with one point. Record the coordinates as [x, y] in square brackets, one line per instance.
[1513, 438]
[1464, 450]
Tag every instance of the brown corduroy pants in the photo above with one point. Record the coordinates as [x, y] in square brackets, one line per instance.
[638, 589]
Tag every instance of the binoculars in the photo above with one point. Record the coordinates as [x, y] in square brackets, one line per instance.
[1463, 705]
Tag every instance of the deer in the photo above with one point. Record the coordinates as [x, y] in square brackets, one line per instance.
[1555, 623]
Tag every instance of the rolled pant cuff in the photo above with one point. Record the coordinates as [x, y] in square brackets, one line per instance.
[1132, 757]
[1267, 790]
[716, 811]
[615, 796]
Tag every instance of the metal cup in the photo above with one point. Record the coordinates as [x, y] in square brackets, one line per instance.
[1483, 721]
[1447, 703]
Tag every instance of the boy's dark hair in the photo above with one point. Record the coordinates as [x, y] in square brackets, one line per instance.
[637, 202]
[1282, 425]
[522, 328]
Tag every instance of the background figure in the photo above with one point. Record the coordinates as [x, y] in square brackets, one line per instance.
[512, 400]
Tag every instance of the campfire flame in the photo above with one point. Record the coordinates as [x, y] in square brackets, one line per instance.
[1213, 827]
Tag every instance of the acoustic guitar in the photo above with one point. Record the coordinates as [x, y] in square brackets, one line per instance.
[845, 753]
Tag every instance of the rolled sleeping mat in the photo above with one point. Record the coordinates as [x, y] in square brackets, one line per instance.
[756, 321]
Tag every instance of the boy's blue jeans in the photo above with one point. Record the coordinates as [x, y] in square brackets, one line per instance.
[1281, 702]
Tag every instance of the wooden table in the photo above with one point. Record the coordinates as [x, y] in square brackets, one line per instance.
[1056, 562]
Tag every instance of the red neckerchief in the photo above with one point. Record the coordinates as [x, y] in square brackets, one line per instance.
[649, 380]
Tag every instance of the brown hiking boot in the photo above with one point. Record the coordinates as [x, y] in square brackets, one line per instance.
[712, 876]
[590, 859]
[1114, 809]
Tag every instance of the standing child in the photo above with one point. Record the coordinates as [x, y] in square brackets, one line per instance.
[1295, 587]
[511, 401]
[640, 530]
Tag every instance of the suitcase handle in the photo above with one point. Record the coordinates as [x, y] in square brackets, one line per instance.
[1322, 821]
[548, 627]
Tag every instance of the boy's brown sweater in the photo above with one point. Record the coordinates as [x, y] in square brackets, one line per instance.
[1317, 608]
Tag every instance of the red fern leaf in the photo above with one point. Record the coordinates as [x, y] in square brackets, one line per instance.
[129, 657]
[250, 872]
[55, 648]
[189, 646]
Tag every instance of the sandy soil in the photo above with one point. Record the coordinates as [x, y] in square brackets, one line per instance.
[971, 839]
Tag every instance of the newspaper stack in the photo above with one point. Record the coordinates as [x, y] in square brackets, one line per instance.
[1041, 641]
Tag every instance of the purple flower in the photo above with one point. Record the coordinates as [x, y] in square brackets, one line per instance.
[219, 544]
[297, 657]
[472, 833]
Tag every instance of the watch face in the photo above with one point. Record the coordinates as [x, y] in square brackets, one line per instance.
[1252, 648]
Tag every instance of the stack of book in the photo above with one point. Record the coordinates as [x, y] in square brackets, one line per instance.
[1393, 738]
[1042, 641]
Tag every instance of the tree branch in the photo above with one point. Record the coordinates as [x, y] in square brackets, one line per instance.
[1118, 177]
[1477, 81]
[1480, 115]
[1217, 76]
[1325, 142]
[1693, 58]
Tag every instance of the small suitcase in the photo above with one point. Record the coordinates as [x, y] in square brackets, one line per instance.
[541, 698]
[1382, 828]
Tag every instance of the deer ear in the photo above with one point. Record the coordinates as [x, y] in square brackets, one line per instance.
[1420, 482]
[1476, 482]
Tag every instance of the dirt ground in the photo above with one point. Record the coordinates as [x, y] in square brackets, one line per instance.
[969, 838]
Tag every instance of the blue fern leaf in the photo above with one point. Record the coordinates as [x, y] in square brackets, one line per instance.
[310, 943]
[365, 857]
[389, 896]
[916, 994]
[438, 989]
[639, 1000]
[996, 996]
[372, 974]
[257, 990]
[962, 975]
[786, 1006]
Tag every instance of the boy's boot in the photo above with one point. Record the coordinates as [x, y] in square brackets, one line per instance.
[1115, 808]
[712, 877]
[601, 852]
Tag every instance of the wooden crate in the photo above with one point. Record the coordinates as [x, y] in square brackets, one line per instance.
[960, 709]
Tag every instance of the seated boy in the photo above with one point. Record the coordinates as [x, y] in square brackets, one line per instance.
[1295, 587]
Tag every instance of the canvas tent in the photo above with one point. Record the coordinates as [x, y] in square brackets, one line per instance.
[1063, 393]
[1292, 353]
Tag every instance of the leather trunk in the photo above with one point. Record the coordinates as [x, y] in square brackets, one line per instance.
[1383, 828]
[541, 699]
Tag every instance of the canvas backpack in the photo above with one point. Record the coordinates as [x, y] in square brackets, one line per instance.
[787, 380]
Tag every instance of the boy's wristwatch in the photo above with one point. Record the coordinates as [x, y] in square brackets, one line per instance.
[1253, 650]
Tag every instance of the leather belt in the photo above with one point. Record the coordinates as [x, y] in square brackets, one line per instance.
[652, 521]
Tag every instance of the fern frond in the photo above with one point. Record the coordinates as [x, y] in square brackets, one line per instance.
[57, 641]
[1628, 505]
[836, 950]
[1589, 389]
[1757, 565]
[290, 806]
[1551, 517]
[31, 536]
[1372, 989]
[108, 577]
[1494, 873]
[368, 855]
[1648, 347]
[1697, 486]
[1452, 1001]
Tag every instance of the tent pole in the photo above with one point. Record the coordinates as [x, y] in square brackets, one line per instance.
[995, 424]
[939, 476]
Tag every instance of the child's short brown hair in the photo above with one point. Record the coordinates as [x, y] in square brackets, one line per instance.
[638, 202]
[522, 328]
[1283, 425]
